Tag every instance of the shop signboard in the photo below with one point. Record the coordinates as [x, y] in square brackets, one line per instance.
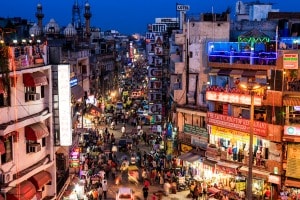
[212, 153]
[239, 124]
[155, 108]
[290, 61]
[154, 72]
[185, 148]
[292, 130]
[199, 141]
[196, 130]
[227, 97]
[293, 161]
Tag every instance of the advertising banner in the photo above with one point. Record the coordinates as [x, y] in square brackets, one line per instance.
[293, 161]
[243, 125]
[290, 61]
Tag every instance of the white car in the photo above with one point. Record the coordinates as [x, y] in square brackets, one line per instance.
[125, 193]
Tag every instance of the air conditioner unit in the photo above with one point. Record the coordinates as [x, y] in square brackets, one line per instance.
[35, 147]
[6, 177]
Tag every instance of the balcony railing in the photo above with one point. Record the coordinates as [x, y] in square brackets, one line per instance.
[247, 57]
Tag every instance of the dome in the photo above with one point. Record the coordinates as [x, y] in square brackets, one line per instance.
[70, 31]
[87, 5]
[35, 30]
[52, 27]
[39, 5]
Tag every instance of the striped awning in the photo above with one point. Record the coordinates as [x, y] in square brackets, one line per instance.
[291, 101]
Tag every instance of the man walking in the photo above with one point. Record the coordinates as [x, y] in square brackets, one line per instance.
[104, 188]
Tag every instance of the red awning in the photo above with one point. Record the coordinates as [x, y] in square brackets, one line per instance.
[34, 79]
[40, 179]
[36, 131]
[24, 191]
[2, 147]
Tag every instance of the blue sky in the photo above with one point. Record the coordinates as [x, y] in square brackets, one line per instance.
[126, 16]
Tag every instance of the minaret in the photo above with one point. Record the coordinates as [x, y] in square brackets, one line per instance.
[76, 18]
[87, 16]
[39, 15]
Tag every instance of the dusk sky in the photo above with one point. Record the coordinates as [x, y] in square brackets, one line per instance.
[125, 16]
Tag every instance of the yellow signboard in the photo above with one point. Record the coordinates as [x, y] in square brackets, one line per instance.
[293, 161]
[231, 134]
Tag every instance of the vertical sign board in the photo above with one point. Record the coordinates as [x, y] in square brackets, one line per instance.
[64, 92]
[290, 61]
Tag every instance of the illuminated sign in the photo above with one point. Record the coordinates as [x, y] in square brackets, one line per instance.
[232, 98]
[151, 36]
[182, 7]
[159, 28]
[64, 92]
[292, 130]
[154, 72]
[73, 82]
[290, 61]
[239, 124]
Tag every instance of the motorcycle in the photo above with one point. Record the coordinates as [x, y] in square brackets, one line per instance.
[113, 126]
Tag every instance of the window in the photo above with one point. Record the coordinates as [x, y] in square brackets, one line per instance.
[42, 91]
[8, 155]
[43, 142]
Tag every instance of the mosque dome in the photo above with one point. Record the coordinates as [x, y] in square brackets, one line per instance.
[35, 30]
[70, 31]
[52, 27]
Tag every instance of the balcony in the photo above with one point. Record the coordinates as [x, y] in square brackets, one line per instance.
[243, 58]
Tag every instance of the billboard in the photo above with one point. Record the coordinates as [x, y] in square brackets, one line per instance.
[64, 103]
[290, 61]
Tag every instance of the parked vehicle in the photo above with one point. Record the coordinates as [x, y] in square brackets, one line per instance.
[124, 193]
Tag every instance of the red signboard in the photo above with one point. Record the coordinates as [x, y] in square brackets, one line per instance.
[227, 97]
[259, 128]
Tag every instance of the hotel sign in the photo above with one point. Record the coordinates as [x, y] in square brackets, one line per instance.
[244, 99]
[243, 125]
[290, 61]
[182, 7]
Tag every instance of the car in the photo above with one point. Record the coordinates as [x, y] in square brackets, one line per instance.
[124, 193]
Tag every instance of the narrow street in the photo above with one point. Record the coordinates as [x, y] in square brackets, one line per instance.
[137, 188]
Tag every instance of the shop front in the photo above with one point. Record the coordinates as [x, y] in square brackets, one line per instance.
[234, 145]
[259, 180]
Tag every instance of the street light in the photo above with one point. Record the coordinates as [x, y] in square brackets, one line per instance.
[251, 86]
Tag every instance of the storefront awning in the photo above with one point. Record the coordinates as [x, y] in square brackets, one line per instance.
[213, 72]
[209, 163]
[261, 74]
[34, 79]
[23, 191]
[77, 92]
[249, 73]
[290, 182]
[236, 73]
[40, 179]
[224, 72]
[2, 147]
[229, 168]
[36, 131]
[256, 173]
[291, 101]
[189, 157]
[291, 138]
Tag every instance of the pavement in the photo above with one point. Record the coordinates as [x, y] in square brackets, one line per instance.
[137, 188]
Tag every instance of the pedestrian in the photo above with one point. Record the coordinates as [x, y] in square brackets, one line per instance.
[145, 192]
[95, 194]
[100, 192]
[196, 193]
[104, 187]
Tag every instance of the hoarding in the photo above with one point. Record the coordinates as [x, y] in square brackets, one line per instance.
[290, 61]
[64, 96]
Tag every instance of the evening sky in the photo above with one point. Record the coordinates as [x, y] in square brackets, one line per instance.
[125, 16]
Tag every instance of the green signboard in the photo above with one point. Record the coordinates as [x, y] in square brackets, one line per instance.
[195, 130]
